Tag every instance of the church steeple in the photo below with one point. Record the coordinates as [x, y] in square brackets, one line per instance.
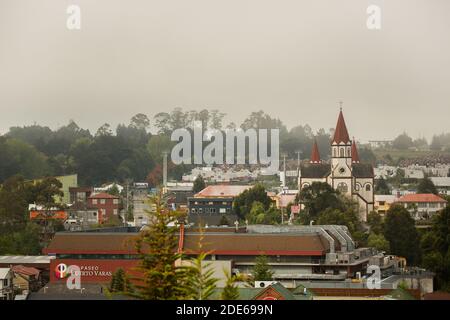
[355, 156]
[315, 155]
[341, 133]
[341, 145]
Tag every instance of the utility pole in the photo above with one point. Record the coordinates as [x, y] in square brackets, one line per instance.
[164, 169]
[298, 168]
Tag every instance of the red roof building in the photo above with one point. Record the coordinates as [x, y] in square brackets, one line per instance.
[106, 204]
[225, 191]
[422, 206]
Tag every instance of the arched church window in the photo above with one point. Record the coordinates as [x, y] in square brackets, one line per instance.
[368, 187]
[342, 152]
[342, 187]
[348, 151]
[334, 153]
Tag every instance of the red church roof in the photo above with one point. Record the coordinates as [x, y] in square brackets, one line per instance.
[341, 133]
[315, 155]
[355, 155]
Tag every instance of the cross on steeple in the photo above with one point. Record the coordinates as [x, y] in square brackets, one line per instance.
[340, 104]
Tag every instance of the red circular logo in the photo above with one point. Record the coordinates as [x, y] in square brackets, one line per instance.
[61, 271]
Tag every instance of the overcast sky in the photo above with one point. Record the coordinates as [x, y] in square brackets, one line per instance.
[293, 59]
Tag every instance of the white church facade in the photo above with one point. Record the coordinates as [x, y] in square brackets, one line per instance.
[344, 172]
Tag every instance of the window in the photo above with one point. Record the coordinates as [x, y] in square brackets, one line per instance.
[342, 152]
[115, 212]
[368, 187]
[222, 210]
[334, 152]
[102, 201]
[342, 187]
[116, 201]
[5, 282]
[94, 201]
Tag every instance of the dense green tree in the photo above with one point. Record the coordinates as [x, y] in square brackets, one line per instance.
[140, 121]
[200, 278]
[157, 145]
[199, 184]
[378, 241]
[160, 277]
[23, 241]
[104, 130]
[381, 187]
[259, 215]
[244, 202]
[435, 245]
[231, 290]
[261, 270]
[120, 283]
[318, 197]
[375, 222]
[347, 218]
[403, 142]
[14, 198]
[18, 157]
[426, 186]
[400, 231]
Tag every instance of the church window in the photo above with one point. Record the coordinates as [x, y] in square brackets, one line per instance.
[368, 187]
[342, 170]
[348, 151]
[342, 187]
[334, 153]
[342, 152]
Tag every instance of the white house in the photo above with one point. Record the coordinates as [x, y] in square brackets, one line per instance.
[6, 284]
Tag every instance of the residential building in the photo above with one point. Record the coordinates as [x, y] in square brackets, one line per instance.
[26, 278]
[422, 206]
[383, 202]
[80, 194]
[442, 184]
[67, 181]
[344, 173]
[6, 284]
[82, 215]
[209, 205]
[106, 204]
